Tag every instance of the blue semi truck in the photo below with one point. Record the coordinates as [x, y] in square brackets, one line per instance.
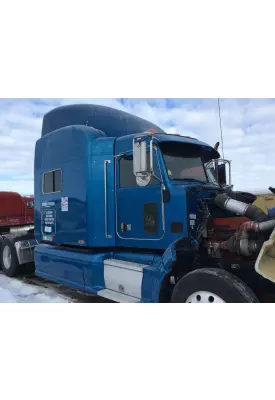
[130, 213]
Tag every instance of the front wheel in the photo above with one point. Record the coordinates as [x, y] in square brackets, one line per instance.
[212, 285]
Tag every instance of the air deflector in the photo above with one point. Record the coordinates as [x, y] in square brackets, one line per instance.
[113, 122]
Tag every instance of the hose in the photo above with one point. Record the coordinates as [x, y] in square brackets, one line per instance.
[252, 212]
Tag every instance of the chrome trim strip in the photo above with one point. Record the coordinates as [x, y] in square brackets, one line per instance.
[106, 162]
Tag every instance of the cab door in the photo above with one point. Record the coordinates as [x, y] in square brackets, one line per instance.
[140, 209]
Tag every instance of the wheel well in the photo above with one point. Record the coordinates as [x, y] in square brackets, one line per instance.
[166, 290]
[264, 289]
[176, 272]
[187, 258]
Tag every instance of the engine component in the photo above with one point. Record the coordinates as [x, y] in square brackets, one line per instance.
[258, 226]
[241, 244]
[243, 197]
[252, 212]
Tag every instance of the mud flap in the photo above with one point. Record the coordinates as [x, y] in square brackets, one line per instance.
[265, 263]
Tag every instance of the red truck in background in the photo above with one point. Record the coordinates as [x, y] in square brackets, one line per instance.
[16, 212]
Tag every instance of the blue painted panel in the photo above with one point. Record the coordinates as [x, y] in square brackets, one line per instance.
[131, 203]
[61, 266]
[84, 271]
[130, 209]
[100, 225]
[79, 269]
[152, 280]
[125, 143]
[80, 152]
[137, 257]
[65, 149]
[94, 272]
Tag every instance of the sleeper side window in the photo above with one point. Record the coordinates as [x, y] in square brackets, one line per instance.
[52, 181]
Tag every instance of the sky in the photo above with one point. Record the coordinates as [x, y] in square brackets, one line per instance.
[248, 128]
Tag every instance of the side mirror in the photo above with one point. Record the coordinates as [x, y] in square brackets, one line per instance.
[221, 173]
[30, 204]
[141, 170]
[139, 157]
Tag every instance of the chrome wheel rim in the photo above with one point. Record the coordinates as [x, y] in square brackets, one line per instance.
[204, 297]
[7, 257]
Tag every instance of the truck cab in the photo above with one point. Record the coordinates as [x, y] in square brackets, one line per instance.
[112, 206]
[155, 184]
[127, 212]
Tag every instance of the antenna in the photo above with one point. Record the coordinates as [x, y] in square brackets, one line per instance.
[221, 126]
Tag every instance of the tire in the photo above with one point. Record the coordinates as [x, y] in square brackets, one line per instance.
[210, 285]
[8, 258]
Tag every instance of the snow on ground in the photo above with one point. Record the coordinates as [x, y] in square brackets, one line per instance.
[15, 291]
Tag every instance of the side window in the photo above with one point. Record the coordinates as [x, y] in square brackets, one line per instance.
[48, 182]
[57, 181]
[126, 176]
[52, 181]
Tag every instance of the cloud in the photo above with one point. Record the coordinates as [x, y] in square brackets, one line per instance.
[248, 130]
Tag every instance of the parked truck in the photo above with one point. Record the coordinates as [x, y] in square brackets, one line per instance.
[16, 232]
[16, 212]
[130, 213]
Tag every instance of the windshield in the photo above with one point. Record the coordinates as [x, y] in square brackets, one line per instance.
[185, 161]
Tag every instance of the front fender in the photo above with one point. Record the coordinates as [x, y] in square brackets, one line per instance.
[178, 251]
[182, 248]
